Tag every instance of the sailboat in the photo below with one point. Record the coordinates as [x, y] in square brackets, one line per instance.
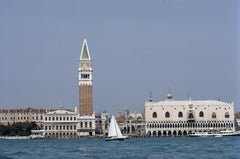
[114, 132]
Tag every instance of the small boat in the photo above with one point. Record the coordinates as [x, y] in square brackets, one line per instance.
[114, 132]
[219, 134]
[201, 134]
[229, 133]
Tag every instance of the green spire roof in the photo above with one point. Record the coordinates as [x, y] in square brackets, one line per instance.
[85, 52]
[85, 55]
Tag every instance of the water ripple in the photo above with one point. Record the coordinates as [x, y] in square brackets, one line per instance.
[142, 148]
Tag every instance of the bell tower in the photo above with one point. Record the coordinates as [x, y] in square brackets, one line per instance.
[85, 81]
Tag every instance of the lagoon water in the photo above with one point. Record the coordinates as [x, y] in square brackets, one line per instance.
[140, 148]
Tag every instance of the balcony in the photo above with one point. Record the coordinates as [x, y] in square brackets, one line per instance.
[191, 116]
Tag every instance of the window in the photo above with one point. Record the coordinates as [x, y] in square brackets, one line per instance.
[167, 115]
[190, 115]
[85, 124]
[81, 124]
[227, 115]
[90, 125]
[180, 114]
[214, 115]
[201, 114]
[154, 115]
[84, 76]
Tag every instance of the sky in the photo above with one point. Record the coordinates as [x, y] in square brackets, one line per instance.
[137, 47]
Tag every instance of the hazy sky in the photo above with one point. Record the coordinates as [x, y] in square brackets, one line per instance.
[136, 46]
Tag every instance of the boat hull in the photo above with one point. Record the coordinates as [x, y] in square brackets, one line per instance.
[114, 139]
[215, 135]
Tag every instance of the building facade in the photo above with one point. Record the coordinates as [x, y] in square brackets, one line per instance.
[181, 118]
[10, 116]
[102, 123]
[131, 124]
[134, 124]
[60, 124]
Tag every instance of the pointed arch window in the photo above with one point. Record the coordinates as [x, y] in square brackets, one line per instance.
[154, 115]
[190, 115]
[227, 115]
[214, 116]
[167, 115]
[201, 114]
[180, 114]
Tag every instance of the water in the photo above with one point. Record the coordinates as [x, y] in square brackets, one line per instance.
[141, 148]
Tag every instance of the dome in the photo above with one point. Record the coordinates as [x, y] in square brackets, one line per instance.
[169, 96]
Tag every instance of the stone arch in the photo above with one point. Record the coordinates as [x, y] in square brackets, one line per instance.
[227, 115]
[201, 114]
[154, 133]
[214, 115]
[154, 115]
[169, 133]
[167, 115]
[179, 133]
[159, 133]
[164, 133]
[190, 115]
[174, 133]
[180, 114]
[139, 119]
[185, 133]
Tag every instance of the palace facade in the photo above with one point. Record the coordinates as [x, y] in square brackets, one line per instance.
[181, 118]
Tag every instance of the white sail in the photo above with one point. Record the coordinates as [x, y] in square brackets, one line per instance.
[119, 134]
[114, 130]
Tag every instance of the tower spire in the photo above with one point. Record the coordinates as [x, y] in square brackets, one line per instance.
[60, 105]
[85, 81]
[150, 99]
[85, 55]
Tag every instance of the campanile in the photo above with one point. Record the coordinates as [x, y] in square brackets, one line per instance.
[85, 81]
